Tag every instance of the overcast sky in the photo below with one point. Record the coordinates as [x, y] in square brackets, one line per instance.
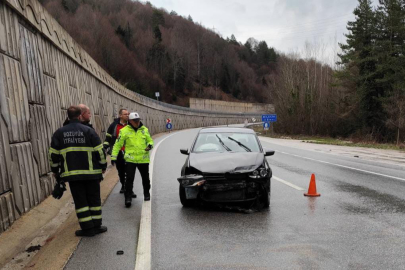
[284, 24]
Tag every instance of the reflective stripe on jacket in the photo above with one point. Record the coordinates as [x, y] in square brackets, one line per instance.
[76, 153]
[135, 142]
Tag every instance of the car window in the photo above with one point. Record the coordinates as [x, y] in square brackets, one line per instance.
[207, 143]
[234, 142]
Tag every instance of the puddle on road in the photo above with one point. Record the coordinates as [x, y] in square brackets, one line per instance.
[312, 204]
[374, 201]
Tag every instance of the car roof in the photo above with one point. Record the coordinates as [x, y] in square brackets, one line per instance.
[227, 129]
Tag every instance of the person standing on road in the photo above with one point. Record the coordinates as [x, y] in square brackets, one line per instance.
[111, 136]
[77, 156]
[138, 142]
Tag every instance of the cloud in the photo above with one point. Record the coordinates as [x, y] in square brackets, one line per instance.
[285, 25]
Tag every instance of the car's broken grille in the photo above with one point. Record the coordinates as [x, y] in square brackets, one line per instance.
[224, 176]
[224, 185]
[224, 196]
[214, 176]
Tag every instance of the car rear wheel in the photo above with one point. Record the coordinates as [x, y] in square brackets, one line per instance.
[183, 199]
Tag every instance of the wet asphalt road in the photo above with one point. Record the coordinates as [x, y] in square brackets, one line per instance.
[357, 223]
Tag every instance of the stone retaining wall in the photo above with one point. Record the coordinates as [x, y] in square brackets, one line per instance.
[232, 107]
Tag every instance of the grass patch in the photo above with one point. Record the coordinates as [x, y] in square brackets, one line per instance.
[330, 141]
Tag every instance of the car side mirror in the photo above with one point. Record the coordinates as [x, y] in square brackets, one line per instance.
[184, 151]
[268, 153]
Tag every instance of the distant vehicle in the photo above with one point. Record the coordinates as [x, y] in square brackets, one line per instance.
[226, 165]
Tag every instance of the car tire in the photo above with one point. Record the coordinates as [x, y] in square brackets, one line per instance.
[266, 198]
[183, 199]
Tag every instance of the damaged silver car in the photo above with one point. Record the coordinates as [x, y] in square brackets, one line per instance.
[226, 165]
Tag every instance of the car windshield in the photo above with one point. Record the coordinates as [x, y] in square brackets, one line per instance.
[226, 142]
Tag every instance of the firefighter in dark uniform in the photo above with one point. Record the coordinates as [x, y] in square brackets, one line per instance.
[111, 136]
[77, 156]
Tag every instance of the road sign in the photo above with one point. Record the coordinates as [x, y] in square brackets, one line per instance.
[269, 118]
[169, 126]
[266, 125]
[168, 120]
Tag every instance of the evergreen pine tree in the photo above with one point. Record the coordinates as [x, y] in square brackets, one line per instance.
[390, 49]
[359, 67]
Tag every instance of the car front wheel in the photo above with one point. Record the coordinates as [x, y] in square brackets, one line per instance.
[266, 197]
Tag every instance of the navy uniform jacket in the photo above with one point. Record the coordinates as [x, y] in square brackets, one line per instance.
[76, 153]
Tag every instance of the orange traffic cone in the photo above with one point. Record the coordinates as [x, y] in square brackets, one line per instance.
[312, 188]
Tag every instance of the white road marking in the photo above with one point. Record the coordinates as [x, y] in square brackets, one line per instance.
[143, 252]
[287, 183]
[343, 166]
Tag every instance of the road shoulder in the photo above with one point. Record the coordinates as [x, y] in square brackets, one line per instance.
[394, 157]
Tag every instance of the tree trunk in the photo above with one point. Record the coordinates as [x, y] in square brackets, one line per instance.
[398, 137]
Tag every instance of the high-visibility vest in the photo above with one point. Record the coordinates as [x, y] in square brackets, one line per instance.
[135, 142]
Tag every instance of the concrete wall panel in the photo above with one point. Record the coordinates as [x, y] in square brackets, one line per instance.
[25, 177]
[9, 32]
[53, 104]
[5, 157]
[15, 105]
[7, 211]
[47, 54]
[63, 80]
[31, 66]
[41, 137]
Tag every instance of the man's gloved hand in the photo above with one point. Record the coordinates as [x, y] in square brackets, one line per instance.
[113, 162]
[58, 190]
[148, 148]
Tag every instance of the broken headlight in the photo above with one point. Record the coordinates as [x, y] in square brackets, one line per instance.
[260, 172]
[191, 180]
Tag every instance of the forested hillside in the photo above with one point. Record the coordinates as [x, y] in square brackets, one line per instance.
[150, 50]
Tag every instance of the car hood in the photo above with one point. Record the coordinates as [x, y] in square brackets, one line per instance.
[226, 162]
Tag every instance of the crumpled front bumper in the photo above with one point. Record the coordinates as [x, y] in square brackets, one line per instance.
[192, 185]
[222, 189]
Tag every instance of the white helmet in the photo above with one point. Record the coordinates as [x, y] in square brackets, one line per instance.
[134, 115]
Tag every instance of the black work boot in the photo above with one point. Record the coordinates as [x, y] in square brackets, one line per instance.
[146, 197]
[122, 189]
[133, 195]
[100, 229]
[85, 233]
[128, 201]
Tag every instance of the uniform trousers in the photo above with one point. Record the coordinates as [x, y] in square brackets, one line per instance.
[86, 196]
[130, 169]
